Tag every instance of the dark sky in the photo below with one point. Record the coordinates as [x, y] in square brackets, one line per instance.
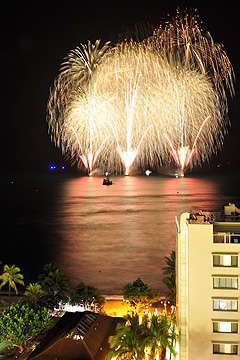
[37, 35]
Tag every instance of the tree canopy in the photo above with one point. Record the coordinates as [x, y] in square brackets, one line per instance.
[128, 342]
[21, 322]
[131, 340]
[34, 295]
[87, 295]
[160, 335]
[138, 292]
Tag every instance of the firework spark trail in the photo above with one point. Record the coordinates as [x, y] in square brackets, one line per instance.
[125, 99]
[183, 118]
[199, 131]
[157, 100]
[123, 75]
[181, 39]
[75, 81]
[173, 151]
[130, 155]
[193, 150]
[183, 155]
[90, 159]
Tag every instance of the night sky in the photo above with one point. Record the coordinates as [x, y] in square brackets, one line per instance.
[37, 35]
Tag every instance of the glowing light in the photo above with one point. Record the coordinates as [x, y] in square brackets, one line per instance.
[127, 158]
[148, 172]
[130, 155]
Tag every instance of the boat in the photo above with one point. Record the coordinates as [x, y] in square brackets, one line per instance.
[107, 182]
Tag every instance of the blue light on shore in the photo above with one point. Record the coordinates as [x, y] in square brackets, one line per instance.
[54, 167]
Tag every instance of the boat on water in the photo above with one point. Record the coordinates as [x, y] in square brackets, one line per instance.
[107, 182]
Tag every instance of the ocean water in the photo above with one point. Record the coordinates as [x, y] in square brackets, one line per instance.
[105, 236]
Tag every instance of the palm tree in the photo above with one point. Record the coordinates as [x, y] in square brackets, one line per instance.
[33, 292]
[47, 269]
[159, 337]
[53, 280]
[170, 282]
[128, 342]
[11, 276]
[152, 341]
[55, 284]
[171, 262]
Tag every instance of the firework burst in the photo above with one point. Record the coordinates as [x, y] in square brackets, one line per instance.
[143, 102]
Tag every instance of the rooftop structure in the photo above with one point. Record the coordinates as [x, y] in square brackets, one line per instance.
[79, 335]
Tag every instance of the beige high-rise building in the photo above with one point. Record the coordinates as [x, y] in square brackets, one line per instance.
[208, 282]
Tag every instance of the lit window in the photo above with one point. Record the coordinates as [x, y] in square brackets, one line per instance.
[225, 260]
[225, 305]
[225, 326]
[225, 349]
[225, 283]
[76, 337]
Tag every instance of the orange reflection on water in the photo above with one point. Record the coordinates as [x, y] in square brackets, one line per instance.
[111, 235]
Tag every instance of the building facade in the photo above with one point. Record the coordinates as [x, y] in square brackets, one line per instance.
[208, 283]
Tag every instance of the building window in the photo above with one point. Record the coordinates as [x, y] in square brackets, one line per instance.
[225, 260]
[235, 239]
[221, 238]
[225, 305]
[225, 327]
[225, 349]
[224, 238]
[225, 283]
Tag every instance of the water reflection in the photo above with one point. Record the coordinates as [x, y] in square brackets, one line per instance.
[113, 234]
